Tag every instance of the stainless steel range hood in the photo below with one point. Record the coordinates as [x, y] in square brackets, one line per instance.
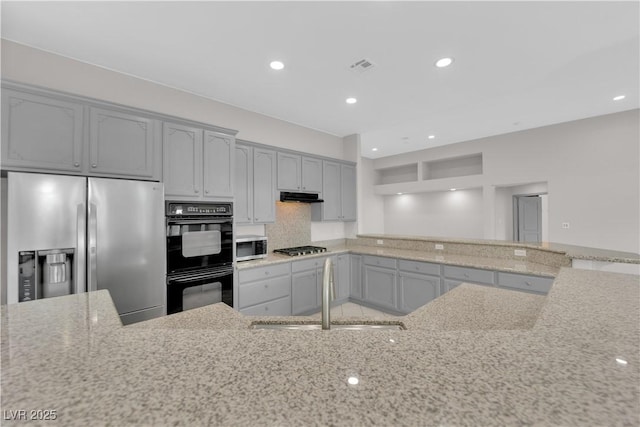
[286, 196]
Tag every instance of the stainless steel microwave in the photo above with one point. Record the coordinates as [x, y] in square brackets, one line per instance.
[250, 247]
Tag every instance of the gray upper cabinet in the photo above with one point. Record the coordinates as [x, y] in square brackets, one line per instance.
[255, 185]
[243, 184]
[289, 172]
[299, 173]
[219, 152]
[331, 208]
[197, 162]
[264, 185]
[52, 133]
[311, 175]
[182, 160]
[122, 144]
[40, 132]
[348, 192]
[338, 193]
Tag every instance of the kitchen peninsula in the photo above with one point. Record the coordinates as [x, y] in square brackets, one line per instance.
[570, 358]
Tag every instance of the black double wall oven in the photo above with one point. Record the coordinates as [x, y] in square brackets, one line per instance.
[199, 254]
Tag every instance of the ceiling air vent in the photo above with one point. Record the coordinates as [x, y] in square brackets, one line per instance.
[362, 66]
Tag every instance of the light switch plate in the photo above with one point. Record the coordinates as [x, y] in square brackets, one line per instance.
[380, 242]
[565, 225]
[520, 252]
[439, 247]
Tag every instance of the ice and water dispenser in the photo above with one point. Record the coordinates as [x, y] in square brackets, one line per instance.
[45, 274]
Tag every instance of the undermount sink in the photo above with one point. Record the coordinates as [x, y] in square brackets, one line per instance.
[341, 327]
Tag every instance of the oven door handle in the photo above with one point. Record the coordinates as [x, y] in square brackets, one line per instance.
[200, 277]
[199, 221]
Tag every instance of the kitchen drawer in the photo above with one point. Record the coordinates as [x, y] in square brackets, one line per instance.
[258, 273]
[419, 267]
[308, 264]
[379, 261]
[279, 307]
[471, 275]
[528, 283]
[264, 290]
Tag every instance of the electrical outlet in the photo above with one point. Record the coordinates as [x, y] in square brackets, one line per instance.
[565, 225]
[439, 247]
[520, 252]
[380, 242]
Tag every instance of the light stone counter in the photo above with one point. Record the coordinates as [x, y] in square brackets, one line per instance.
[475, 357]
[571, 251]
[500, 264]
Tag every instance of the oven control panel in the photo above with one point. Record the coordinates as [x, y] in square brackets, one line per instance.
[200, 209]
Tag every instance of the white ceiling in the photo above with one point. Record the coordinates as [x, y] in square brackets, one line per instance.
[518, 65]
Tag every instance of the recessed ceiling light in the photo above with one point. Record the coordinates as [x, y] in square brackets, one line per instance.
[351, 100]
[452, 189]
[444, 62]
[619, 98]
[276, 65]
[431, 136]
[374, 149]
[353, 380]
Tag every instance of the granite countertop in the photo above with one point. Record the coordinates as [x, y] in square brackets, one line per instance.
[572, 251]
[501, 264]
[476, 356]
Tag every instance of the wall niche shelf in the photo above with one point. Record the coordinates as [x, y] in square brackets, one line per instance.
[397, 174]
[463, 172]
[452, 167]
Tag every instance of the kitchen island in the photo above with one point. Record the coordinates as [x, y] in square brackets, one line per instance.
[492, 358]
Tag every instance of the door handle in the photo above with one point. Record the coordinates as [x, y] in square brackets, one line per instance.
[79, 283]
[92, 271]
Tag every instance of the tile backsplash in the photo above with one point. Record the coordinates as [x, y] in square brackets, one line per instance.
[292, 226]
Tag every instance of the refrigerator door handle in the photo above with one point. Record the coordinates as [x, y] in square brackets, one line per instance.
[92, 276]
[81, 248]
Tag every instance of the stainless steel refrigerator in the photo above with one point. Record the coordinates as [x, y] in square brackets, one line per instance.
[69, 234]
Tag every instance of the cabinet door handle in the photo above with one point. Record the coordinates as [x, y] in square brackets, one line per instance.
[206, 191]
[466, 275]
[266, 286]
[94, 165]
[526, 282]
[76, 164]
[266, 273]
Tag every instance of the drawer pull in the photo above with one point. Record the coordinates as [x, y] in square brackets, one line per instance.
[466, 275]
[266, 273]
[266, 308]
[76, 164]
[526, 282]
[266, 286]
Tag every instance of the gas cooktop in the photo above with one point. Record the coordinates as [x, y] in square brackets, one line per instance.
[301, 250]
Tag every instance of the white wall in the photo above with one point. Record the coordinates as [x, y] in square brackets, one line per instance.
[32, 66]
[591, 166]
[439, 214]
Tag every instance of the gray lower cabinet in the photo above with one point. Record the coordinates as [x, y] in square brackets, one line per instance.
[40, 132]
[265, 291]
[197, 162]
[523, 282]
[306, 285]
[342, 272]
[454, 275]
[305, 292]
[356, 276]
[380, 282]
[416, 290]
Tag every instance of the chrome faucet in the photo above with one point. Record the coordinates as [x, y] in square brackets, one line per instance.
[328, 293]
